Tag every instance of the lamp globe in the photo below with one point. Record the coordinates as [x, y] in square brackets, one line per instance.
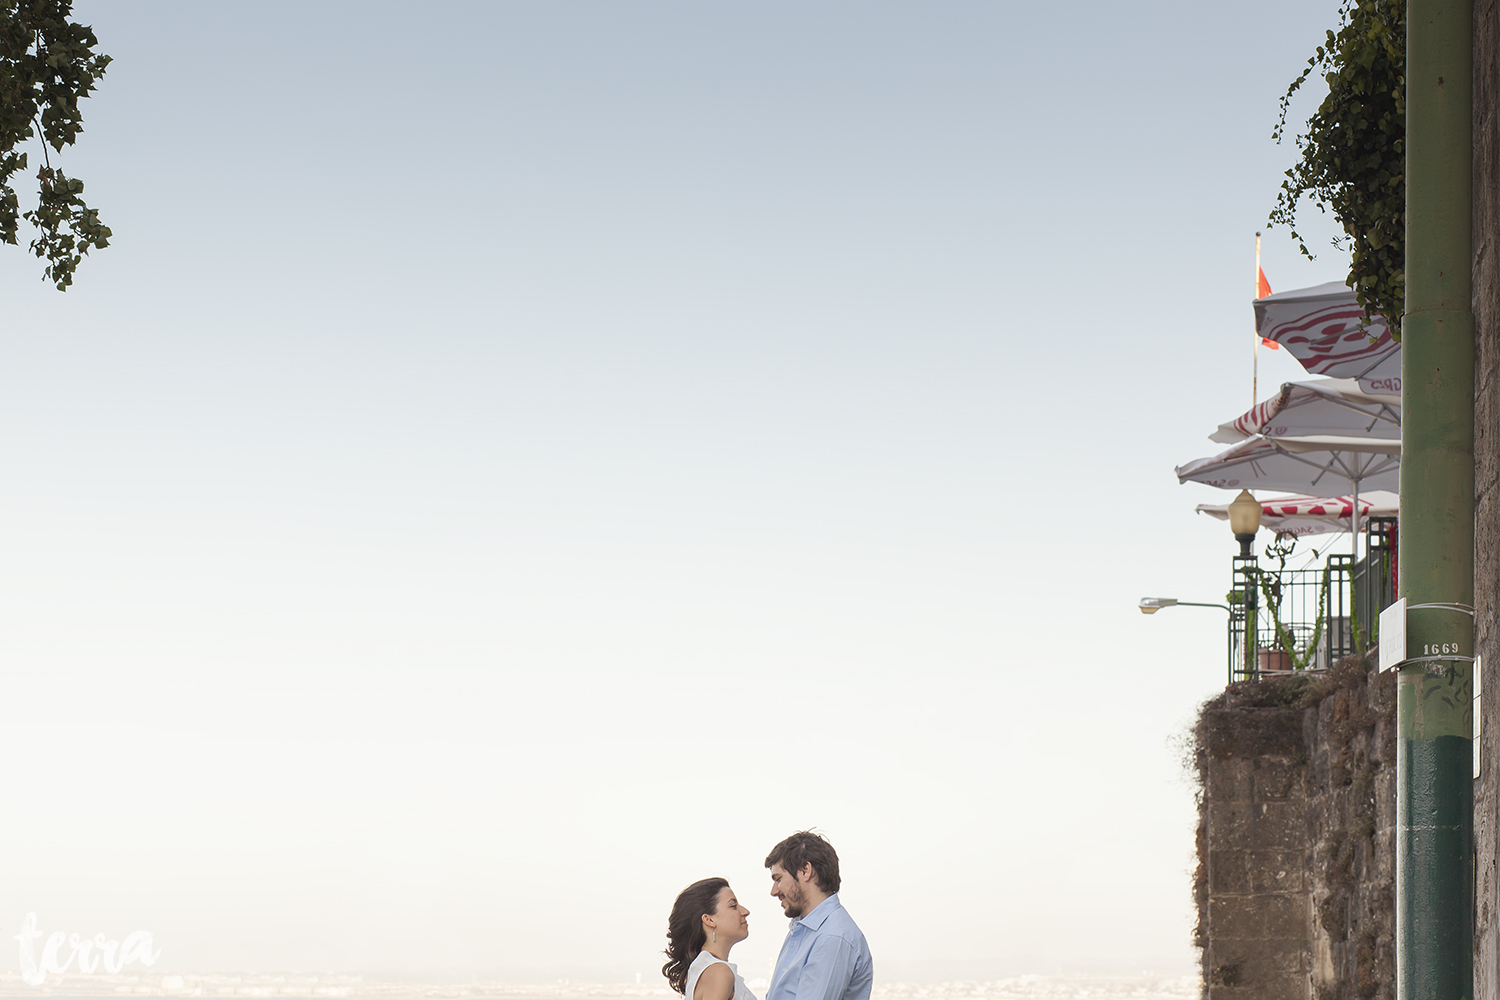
[1244, 519]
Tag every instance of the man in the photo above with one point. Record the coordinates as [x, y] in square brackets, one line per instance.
[825, 956]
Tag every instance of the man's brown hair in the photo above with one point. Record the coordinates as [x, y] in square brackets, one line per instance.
[805, 847]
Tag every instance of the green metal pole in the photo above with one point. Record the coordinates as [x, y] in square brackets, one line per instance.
[1434, 790]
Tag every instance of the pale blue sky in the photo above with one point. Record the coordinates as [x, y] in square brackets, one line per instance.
[517, 459]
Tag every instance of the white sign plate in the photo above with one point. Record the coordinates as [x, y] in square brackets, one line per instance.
[1393, 635]
[1478, 730]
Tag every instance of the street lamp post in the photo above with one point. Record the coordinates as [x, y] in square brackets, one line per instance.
[1244, 521]
[1151, 605]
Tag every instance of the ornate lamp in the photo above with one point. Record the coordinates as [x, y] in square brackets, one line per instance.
[1244, 520]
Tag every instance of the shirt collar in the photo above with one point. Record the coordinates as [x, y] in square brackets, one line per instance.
[821, 912]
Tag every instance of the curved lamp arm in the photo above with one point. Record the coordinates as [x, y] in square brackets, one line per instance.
[1151, 605]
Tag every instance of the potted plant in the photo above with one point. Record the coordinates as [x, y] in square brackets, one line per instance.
[1288, 657]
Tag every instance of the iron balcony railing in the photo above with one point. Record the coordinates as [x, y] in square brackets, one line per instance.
[1284, 620]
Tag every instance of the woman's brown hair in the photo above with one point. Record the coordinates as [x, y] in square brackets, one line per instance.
[685, 937]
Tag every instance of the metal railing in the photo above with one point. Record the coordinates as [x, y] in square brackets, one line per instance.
[1375, 576]
[1310, 618]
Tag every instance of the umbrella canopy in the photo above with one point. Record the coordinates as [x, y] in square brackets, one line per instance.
[1337, 406]
[1314, 515]
[1324, 327]
[1301, 464]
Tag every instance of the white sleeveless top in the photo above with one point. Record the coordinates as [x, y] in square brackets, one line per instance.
[703, 961]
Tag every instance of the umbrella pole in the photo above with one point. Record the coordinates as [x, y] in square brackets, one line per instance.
[1354, 525]
[1353, 565]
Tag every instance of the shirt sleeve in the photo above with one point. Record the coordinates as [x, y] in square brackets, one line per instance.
[828, 970]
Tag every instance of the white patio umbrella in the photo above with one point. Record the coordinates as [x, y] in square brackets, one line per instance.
[1336, 406]
[1314, 515]
[1301, 464]
[1324, 411]
[1324, 328]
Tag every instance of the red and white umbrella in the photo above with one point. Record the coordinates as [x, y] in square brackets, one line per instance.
[1314, 515]
[1336, 406]
[1302, 463]
[1318, 432]
[1324, 328]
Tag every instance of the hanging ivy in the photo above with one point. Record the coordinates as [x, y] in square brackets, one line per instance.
[47, 64]
[1354, 151]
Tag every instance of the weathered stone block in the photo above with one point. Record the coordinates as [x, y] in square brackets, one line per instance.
[1254, 732]
[1333, 915]
[1227, 822]
[1276, 871]
[1254, 962]
[1229, 780]
[1228, 872]
[1276, 780]
[1284, 989]
[1258, 917]
[1277, 825]
[1318, 769]
[1258, 825]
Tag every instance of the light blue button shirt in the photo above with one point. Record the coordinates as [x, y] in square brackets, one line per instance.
[824, 958]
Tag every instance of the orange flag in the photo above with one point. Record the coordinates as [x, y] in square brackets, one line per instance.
[1262, 289]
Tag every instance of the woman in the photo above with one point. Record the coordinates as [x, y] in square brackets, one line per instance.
[706, 921]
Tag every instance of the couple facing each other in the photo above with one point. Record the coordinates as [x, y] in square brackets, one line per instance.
[824, 956]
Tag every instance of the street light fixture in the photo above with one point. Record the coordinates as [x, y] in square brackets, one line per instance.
[1151, 605]
[1244, 520]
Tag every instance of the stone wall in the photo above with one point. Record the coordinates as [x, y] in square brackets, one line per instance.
[1486, 307]
[1296, 839]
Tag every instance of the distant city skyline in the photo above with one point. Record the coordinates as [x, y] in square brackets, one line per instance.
[356, 987]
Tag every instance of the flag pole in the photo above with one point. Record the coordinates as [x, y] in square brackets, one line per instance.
[1255, 362]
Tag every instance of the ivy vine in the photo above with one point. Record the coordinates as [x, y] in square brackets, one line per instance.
[1353, 159]
[1281, 548]
[1270, 587]
[47, 64]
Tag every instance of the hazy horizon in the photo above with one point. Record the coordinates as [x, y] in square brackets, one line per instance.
[396, 987]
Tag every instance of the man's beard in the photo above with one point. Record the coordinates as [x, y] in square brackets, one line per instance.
[796, 899]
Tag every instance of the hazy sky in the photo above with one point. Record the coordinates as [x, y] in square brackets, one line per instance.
[519, 458]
